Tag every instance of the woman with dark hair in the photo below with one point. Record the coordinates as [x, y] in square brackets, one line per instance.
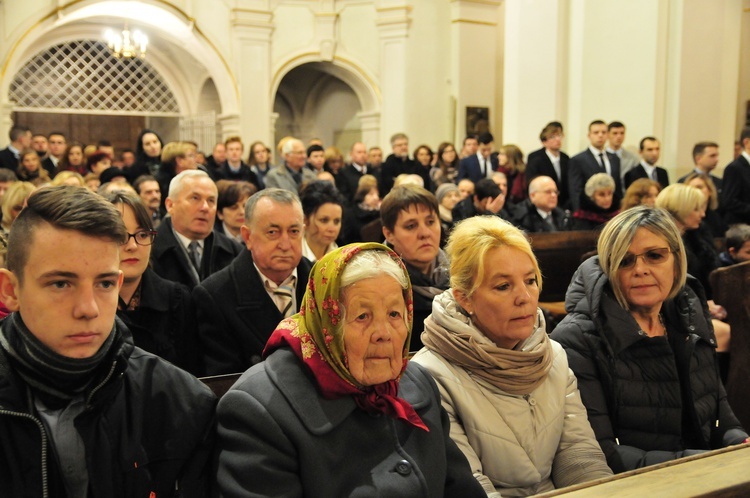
[157, 312]
[147, 155]
[98, 162]
[336, 408]
[230, 207]
[259, 161]
[446, 167]
[423, 156]
[323, 208]
[72, 159]
[411, 226]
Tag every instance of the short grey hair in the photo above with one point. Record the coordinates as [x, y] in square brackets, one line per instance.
[599, 181]
[277, 195]
[178, 182]
[289, 145]
[534, 184]
[618, 234]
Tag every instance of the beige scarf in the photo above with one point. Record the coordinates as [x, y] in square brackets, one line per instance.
[450, 333]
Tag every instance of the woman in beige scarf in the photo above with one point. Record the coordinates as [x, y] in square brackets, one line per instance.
[513, 402]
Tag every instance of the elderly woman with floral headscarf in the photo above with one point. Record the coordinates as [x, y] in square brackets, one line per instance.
[336, 409]
[512, 401]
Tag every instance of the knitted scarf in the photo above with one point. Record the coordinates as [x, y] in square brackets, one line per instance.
[448, 331]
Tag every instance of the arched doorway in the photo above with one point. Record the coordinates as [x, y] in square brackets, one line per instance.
[313, 103]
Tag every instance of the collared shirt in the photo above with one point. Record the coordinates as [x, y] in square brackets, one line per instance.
[485, 165]
[186, 243]
[555, 163]
[362, 169]
[237, 237]
[596, 152]
[650, 170]
[15, 151]
[746, 156]
[617, 152]
[270, 286]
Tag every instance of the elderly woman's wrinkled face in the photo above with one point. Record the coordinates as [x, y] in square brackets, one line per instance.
[504, 306]
[648, 282]
[450, 199]
[374, 329]
[415, 236]
[603, 198]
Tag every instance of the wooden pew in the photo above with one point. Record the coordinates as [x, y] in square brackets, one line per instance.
[731, 288]
[720, 473]
[220, 384]
[559, 255]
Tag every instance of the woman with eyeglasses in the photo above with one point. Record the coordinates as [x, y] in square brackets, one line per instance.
[639, 338]
[156, 311]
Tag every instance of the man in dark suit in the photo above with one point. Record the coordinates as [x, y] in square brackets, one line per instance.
[540, 212]
[347, 180]
[706, 158]
[650, 149]
[397, 163]
[56, 148]
[480, 165]
[551, 161]
[735, 198]
[20, 138]
[186, 249]
[591, 161]
[234, 168]
[241, 305]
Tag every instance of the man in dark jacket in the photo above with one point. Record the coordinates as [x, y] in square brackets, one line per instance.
[82, 411]
[241, 305]
[487, 199]
[540, 213]
[187, 249]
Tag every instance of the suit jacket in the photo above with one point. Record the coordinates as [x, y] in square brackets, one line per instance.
[8, 160]
[347, 181]
[582, 167]
[281, 177]
[236, 315]
[718, 183]
[470, 168]
[640, 172]
[391, 168]
[540, 165]
[245, 174]
[49, 166]
[527, 218]
[169, 259]
[735, 196]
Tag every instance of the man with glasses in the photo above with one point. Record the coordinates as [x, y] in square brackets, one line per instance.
[540, 212]
[292, 173]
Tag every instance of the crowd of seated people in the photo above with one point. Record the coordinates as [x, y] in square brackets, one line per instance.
[320, 278]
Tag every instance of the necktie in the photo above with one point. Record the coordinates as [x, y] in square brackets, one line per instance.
[653, 175]
[604, 165]
[194, 253]
[284, 292]
[551, 222]
[484, 167]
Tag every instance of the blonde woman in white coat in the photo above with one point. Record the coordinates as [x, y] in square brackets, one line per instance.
[513, 403]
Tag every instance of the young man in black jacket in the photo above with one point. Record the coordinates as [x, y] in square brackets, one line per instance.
[82, 411]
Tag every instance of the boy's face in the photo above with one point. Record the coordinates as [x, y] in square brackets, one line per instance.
[742, 254]
[68, 303]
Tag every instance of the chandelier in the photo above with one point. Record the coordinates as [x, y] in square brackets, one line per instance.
[127, 45]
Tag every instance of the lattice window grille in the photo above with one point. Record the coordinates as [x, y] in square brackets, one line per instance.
[201, 129]
[83, 75]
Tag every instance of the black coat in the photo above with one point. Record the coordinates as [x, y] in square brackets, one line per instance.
[8, 160]
[164, 323]
[526, 217]
[648, 400]
[279, 437]
[640, 172]
[169, 259]
[735, 194]
[146, 427]
[245, 174]
[582, 167]
[236, 315]
[540, 165]
[465, 209]
[391, 168]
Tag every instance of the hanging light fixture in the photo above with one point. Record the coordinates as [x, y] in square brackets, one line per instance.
[127, 45]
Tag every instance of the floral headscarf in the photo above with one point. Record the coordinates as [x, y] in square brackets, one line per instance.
[316, 335]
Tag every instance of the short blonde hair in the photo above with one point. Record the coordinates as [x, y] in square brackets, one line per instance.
[15, 195]
[599, 181]
[173, 150]
[618, 234]
[469, 243]
[680, 200]
[64, 176]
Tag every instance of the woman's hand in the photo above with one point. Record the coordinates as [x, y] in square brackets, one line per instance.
[717, 311]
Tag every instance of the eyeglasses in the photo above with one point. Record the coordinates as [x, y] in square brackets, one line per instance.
[650, 257]
[142, 237]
